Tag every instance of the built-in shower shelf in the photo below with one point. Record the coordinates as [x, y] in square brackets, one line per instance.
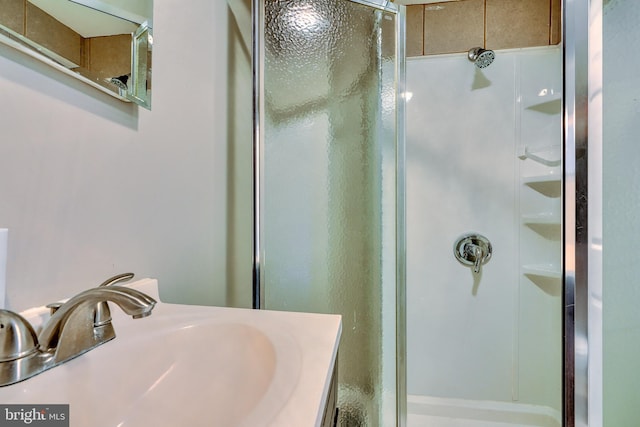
[547, 277]
[548, 231]
[549, 106]
[546, 224]
[550, 271]
[550, 218]
[548, 184]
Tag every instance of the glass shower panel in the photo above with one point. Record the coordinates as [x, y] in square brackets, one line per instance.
[328, 189]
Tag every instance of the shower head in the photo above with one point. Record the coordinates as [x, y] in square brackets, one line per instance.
[481, 57]
[120, 81]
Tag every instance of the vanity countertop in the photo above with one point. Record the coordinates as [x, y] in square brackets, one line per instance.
[196, 364]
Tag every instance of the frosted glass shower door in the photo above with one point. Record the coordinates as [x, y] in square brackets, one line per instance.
[328, 185]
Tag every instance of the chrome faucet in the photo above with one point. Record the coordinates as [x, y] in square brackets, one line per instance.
[74, 328]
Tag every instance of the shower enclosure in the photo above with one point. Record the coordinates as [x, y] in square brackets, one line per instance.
[484, 340]
[328, 172]
[497, 164]
[495, 227]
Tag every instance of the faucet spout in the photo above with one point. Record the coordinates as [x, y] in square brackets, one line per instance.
[75, 327]
[75, 319]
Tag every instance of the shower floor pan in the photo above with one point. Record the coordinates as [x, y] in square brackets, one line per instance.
[426, 411]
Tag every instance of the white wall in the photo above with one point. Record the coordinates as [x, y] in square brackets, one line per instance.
[91, 186]
[496, 336]
[460, 178]
[621, 204]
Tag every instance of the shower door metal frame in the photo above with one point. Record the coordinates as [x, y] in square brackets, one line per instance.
[258, 282]
[257, 65]
[401, 221]
[578, 27]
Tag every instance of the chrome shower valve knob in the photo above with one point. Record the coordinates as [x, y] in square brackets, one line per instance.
[473, 250]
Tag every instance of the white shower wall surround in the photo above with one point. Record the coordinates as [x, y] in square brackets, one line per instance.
[472, 136]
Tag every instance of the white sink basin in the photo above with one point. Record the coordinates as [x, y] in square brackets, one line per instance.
[195, 366]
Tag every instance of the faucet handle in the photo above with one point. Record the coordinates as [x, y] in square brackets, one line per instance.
[53, 307]
[118, 278]
[102, 314]
[17, 337]
[472, 250]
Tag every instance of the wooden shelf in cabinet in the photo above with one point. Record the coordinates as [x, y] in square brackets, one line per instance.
[549, 185]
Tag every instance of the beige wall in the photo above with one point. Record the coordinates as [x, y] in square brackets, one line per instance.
[91, 186]
[451, 27]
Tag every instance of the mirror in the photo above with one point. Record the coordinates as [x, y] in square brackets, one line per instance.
[105, 43]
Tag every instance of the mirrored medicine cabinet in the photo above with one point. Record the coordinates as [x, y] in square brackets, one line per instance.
[104, 43]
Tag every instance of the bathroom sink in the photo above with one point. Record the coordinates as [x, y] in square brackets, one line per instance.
[195, 366]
